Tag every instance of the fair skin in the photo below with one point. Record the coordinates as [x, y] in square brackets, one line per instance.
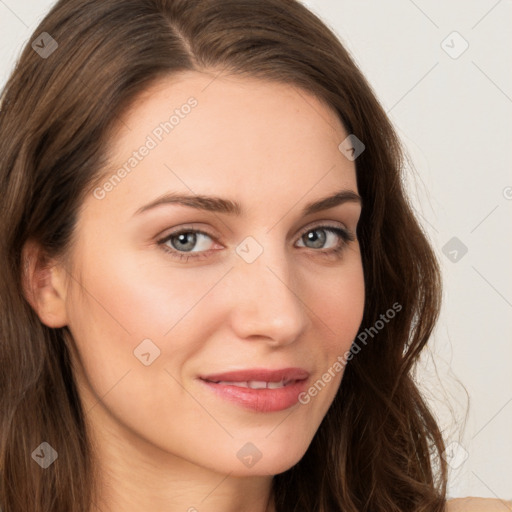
[164, 442]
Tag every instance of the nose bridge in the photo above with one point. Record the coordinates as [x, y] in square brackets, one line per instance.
[266, 302]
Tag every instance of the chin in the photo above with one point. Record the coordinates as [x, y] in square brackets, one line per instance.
[262, 459]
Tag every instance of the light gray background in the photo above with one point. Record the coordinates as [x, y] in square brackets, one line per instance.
[454, 116]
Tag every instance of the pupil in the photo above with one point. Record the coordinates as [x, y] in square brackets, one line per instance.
[183, 239]
[320, 240]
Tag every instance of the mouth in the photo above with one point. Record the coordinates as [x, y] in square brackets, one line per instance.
[254, 384]
[259, 390]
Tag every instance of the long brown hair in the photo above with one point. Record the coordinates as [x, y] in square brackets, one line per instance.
[378, 448]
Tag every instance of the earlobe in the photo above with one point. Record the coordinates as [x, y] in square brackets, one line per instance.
[44, 285]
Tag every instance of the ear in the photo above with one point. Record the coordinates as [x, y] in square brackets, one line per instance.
[44, 285]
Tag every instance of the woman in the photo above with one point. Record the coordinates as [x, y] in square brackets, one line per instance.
[202, 199]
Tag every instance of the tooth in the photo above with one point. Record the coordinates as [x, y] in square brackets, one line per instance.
[257, 384]
[230, 383]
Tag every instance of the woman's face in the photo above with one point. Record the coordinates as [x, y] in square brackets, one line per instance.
[153, 313]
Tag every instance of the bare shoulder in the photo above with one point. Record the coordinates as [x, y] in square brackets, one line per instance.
[478, 505]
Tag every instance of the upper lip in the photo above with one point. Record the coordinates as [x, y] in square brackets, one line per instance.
[259, 374]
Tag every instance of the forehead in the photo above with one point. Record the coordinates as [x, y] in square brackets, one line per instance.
[230, 98]
[199, 132]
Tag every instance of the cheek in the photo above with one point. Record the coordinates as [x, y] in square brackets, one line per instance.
[142, 297]
[339, 304]
[119, 305]
[336, 301]
[122, 300]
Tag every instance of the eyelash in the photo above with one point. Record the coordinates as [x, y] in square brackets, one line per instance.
[345, 236]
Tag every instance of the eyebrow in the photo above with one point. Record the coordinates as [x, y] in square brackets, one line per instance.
[220, 205]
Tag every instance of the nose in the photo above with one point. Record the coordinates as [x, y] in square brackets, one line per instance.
[265, 300]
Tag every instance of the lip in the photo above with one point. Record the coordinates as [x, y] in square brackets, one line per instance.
[260, 400]
[259, 374]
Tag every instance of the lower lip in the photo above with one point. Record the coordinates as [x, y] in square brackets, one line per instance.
[261, 400]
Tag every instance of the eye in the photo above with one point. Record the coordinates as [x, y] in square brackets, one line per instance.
[335, 237]
[185, 240]
[190, 243]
